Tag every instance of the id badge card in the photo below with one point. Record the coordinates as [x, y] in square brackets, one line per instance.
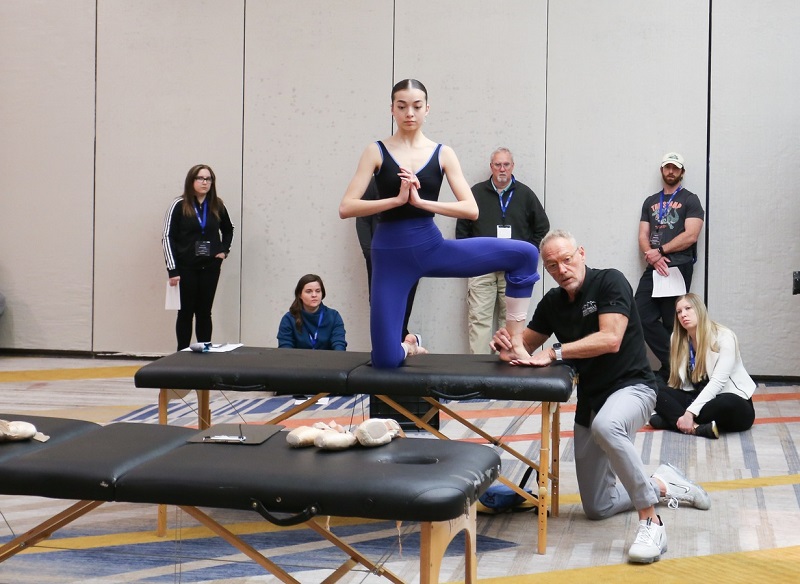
[655, 240]
[504, 232]
[202, 248]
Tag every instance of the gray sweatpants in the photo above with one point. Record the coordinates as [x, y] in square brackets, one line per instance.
[606, 452]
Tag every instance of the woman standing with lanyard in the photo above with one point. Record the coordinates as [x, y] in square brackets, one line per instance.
[197, 237]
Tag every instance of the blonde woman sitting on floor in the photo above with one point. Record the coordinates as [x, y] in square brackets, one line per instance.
[709, 389]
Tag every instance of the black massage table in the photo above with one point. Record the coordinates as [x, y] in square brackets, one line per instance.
[430, 377]
[437, 485]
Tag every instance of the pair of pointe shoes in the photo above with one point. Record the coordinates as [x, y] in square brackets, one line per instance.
[372, 432]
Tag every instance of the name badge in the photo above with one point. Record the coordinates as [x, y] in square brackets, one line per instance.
[504, 232]
[655, 239]
[202, 248]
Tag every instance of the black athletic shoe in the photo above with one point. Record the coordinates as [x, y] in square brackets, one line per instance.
[708, 430]
[658, 422]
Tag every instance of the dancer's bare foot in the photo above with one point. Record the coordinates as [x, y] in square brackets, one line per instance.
[507, 355]
[509, 347]
[518, 350]
[413, 346]
[501, 342]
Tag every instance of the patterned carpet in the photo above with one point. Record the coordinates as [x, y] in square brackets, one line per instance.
[749, 533]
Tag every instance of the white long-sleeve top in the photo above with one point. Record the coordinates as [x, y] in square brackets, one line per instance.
[726, 373]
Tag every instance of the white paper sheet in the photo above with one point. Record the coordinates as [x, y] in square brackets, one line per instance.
[173, 298]
[668, 286]
[214, 347]
[224, 348]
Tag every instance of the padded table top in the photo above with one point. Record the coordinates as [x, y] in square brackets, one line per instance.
[87, 463]
[414, 479]
[254, 369]
[58, 429]
[349, 373]
[462, 377]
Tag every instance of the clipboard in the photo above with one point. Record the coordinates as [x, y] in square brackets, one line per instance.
[236, 434]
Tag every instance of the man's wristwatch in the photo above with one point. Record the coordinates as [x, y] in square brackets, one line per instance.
[557, 351]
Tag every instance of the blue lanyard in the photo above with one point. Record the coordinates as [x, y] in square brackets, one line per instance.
[691, 357]
[504, 206]
[662, 210]
[313, 339]
[202, 220]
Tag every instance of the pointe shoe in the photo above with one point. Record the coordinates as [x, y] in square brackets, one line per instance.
[334, 440]
[303, 436]
[377, 431]
[14, 431]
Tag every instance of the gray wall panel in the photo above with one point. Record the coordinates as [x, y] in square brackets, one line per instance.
[317, 86]
[281, 98]
[169, 96]
[485, 74]
[753, 229]
[626, 84]
[46, 163]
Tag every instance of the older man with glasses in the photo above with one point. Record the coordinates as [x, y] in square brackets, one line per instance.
[594, 318]
[508, 209]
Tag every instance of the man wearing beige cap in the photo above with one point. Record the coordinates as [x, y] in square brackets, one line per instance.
[670, 224]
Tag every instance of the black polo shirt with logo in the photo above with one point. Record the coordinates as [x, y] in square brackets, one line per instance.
[603, 292]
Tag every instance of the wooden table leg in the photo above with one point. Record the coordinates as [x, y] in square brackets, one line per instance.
[544, 479]
[434, 539]
[163, 405]
[203, 409]
[547, 496]
[556, 460]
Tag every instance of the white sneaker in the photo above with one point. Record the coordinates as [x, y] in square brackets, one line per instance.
[650, 543]
[681, 489]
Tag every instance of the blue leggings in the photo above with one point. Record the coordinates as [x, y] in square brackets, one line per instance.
[407, 250]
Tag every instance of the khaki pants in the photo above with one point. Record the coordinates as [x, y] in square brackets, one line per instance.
[485, 300]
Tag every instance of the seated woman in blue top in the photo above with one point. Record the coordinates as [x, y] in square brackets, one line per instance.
[310, 324]
[709, 389]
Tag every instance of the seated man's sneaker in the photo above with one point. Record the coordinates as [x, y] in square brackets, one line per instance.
[650, 543]
[680, 489]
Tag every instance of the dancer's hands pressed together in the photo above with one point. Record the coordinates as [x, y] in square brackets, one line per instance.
[409, 185]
